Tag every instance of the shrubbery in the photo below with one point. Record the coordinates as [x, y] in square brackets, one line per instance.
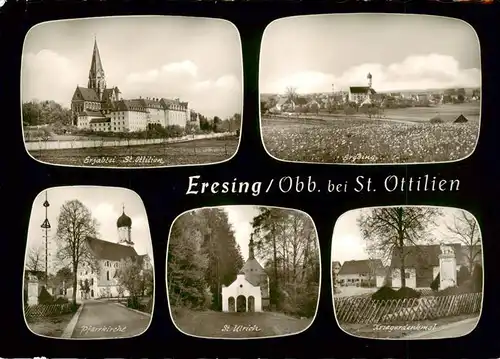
[384, 293]
[44, 297]
[387, 293]
[435, 283]
[61, 300]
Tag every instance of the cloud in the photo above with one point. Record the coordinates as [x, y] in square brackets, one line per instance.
[416, 72]
[47, 72]
[106, 215]
[47, 75]
[212, 97]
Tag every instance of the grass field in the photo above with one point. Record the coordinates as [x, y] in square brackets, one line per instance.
[50, 326]
[184, 153]
[212, 324]
[405, 136]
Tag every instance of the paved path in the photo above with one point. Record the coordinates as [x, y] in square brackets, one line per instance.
[453, 330]
[100, 319]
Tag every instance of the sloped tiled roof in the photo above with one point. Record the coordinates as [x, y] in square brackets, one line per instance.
[253, 271]
[91, 114]
[109, 250]
[86, 94]
[360, 89]
[428, 255]
[360, 266]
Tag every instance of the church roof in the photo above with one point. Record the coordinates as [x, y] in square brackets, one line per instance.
[109, 250]
[96, 67]
[361, 89]
[85, 94]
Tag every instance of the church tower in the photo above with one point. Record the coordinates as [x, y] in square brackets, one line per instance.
[251, 254]
[97, 79]
[124, 225]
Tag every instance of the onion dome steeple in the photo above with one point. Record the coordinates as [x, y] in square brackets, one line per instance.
[124, 220]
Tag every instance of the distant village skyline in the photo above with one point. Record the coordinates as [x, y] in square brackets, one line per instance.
[401, 51]
[404, 91]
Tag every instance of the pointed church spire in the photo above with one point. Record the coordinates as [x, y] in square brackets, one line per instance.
[97, 79]
[251, 254]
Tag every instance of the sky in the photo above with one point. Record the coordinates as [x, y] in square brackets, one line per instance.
[105, 204]
[240, 218]
[347, 243]
[402, 52]
[195, 59]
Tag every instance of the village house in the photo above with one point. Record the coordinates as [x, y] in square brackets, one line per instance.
[422, 263]
[360, 272]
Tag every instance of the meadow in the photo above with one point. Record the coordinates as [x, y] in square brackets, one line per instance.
[184, 153]
[403, 136]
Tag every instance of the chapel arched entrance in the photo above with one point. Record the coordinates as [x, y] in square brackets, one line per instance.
[251, 304]
[241, 303]
[231, 304]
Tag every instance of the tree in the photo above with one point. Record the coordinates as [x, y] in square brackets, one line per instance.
[286, 241]
[389, 231]
[291, 93]
[74, 225]
[35, 260]
[224, 255]
[130, 276]
[63, 277]
[186, 263]
[465, 228]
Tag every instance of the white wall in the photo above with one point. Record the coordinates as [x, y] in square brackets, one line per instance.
[177, 117]
[110, 142]
[355, 279]
[136, 120]
[241, 287]
[380, 279]
[411, 278]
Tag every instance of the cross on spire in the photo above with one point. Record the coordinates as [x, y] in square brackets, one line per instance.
[123, 207]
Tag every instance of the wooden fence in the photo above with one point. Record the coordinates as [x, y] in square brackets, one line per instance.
[46, 310]
[361, 310]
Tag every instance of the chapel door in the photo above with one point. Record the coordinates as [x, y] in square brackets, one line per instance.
[241, 303]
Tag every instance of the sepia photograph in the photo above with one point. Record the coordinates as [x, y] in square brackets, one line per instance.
[88, 270]
[412, 272]
[243, 272]
[132, 91]
[384, 89]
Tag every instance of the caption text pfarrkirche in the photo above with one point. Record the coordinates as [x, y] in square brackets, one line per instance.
[307, 184]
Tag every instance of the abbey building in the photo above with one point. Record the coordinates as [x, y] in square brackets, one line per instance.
[101, 108]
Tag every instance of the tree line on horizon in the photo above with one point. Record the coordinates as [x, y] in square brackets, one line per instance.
[49, 112]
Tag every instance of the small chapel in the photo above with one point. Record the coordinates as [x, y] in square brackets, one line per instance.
[250, 291]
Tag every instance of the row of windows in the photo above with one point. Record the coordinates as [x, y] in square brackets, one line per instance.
[109, 264]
